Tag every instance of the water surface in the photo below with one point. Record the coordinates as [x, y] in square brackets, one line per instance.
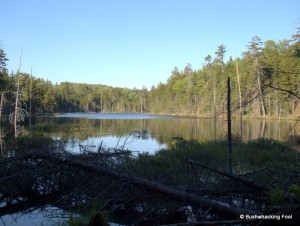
[142, 133]
[149, 133]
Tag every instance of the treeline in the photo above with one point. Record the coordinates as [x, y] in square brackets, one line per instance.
[39, 96]
[264, 81]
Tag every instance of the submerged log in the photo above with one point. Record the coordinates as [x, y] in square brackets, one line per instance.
[221, 208]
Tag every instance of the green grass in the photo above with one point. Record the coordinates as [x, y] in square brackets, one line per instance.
[247, 157]
[89, 217]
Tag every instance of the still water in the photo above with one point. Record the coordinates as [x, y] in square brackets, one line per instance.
[149, 133]
[139, 133]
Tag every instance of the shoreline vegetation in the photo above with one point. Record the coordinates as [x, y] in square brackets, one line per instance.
[264, 84]
[189, 181]
[245, 117]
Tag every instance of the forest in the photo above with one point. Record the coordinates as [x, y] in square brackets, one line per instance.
[264, 81]
[161, 189]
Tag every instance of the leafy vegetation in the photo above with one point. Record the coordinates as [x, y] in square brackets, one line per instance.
[93, 217]
[276, 196]
[265, 82]
[275, 166]
[277, 159]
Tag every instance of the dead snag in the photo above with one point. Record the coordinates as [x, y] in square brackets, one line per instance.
[218, 207]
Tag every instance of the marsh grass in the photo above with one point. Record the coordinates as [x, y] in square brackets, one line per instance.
[88, 217]
[277, 158]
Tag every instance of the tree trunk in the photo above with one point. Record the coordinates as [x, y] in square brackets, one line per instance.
[1, 107]
[141, 104]
[17, 98]
[269, 105]
[30, 95]
[215, 111]
[229, 128]
[262, 131]
[280, 109]
[221, 208]
[240, 98]
[1, 144]
[16, 106]
[261, 97]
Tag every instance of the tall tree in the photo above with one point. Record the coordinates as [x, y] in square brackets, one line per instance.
[240, 96]
[3, 59]
[295, 41]
[220, 53]
[207, 60]
[3, 79]
[255, 48]
[19, 113]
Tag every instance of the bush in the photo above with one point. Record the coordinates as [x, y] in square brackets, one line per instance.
[276, 196]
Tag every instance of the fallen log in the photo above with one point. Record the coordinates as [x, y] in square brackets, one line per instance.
[243, 181]
[221, 208]
[214, 223]
[38, 202]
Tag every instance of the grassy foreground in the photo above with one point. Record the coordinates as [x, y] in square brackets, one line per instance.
[270, 163]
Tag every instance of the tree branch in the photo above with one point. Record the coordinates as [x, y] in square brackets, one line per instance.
[283, 90]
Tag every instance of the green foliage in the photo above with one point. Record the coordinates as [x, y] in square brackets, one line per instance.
[295, 190]
[91, 218]
[3, 59]
[276, 196]
[247, 157]
[201, 91]
[267, 151]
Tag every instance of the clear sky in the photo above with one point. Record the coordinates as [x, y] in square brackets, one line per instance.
[133, 43]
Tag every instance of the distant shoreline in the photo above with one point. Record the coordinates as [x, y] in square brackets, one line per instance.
[173, 114]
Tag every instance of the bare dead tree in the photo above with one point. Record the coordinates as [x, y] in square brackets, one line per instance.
[19, 113]
[17, 96]
[1, 105]
[240, 96]
[229, 126]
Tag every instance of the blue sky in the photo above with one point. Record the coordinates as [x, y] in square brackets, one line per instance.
[133, 43]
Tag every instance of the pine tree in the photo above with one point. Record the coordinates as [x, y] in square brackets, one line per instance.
[255, 49]
[220, 56]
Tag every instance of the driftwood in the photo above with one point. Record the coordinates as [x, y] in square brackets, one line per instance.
[77, 182]
[243, 181]
[221, 208]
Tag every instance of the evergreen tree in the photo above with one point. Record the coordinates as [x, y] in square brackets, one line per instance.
[3, 82]
[220, 53]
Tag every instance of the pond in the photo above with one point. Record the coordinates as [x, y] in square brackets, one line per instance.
[140, 133]
[149, 133]
[45, 216]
